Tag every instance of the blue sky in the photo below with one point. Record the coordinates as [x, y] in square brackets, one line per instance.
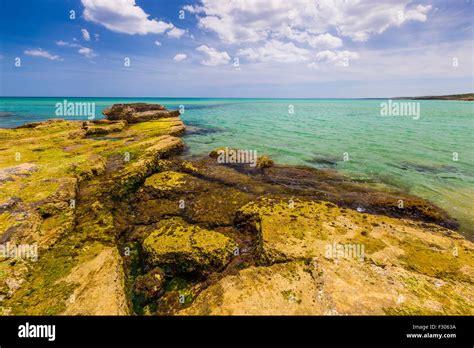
[236, 48]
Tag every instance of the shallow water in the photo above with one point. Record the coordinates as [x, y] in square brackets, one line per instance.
[415, 155]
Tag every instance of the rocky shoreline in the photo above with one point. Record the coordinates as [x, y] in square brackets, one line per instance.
[125, 226]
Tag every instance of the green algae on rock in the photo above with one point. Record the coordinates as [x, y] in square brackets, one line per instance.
[138, 112]
[103, 127]
[408, 267]
[286, 288]
[183, 248]
[165, 181]
[57, 194]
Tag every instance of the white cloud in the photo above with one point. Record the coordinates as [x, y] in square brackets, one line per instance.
[328, 58]
[123, 16]
[175, 33]
[87, 52]
[62, 43]
[253, 21]
[320, 41]
[276, 51]
[157, 43]
[42, 53]
[361, 23]
[67, 44]
[336, 58]
[214, 57]
[180, 57]
[193, 9]
[97, 37]
[86, 35]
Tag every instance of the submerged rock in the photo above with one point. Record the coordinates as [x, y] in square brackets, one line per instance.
[138, 112]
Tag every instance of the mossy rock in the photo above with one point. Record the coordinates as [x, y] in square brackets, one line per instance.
[264, 162]
[150, 285]
[182, 248]
[188, 167]
[280, 289]
[287, 230]
[43, 166]
[103, 127]
[138, 112]
[165, 181]
[135, 173]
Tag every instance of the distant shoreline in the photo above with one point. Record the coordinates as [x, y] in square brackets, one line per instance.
[465, 97]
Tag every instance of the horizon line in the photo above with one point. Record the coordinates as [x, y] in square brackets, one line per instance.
[301, 98]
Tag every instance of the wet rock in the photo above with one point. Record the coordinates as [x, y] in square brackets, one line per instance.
[216, 152]
[323, 161]
[188, 167]
[150, 285]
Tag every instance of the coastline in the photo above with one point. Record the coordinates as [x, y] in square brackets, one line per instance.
[231, 228]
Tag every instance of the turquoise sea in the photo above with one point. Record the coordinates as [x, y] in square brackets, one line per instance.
[431, 156]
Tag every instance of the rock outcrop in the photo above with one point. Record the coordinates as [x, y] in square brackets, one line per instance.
[318, 259]
[138, 112]
[58, 181]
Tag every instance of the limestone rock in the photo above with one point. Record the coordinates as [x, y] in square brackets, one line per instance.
[148, 163]
[138, 112]
[21, 170]
[100, 286]
[165, 181]
[366, 264]
[103, 127]
[281, 289]
[181, 248]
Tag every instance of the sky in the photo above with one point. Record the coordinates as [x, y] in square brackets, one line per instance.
[236, 48]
